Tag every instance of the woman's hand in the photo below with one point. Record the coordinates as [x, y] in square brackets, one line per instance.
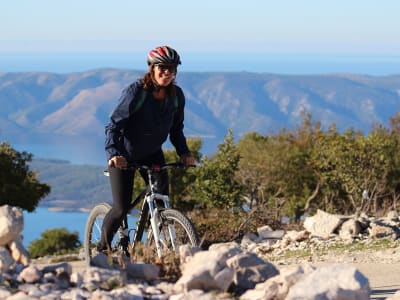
[117, 162]
[188, 160]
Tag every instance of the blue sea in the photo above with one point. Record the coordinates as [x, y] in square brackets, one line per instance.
[43, 219]
[280, 63]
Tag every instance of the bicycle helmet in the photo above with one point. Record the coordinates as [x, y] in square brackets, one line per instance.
[163, 54]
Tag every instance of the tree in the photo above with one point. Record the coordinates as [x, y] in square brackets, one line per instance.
[275, 170]
[350, 163]
[394, 175]
[18, 185]
[54, 241]
[376, 162]
[215, 184]
[181, 179]
[254, 166]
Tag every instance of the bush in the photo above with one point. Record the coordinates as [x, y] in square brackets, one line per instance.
[54, 242]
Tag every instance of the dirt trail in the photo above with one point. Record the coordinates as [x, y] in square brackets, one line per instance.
[384, 278]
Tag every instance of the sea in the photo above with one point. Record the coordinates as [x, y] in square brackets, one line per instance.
[42, 219]
[279, 63]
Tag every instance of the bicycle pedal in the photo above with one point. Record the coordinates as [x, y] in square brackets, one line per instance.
[124, 242]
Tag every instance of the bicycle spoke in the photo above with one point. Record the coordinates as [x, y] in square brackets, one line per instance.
[175, 230]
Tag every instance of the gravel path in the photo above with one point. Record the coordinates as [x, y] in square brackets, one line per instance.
[384, 278]
[381, 267]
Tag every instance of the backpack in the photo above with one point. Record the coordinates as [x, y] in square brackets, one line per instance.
[141, 96]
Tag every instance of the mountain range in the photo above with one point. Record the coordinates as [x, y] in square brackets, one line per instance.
[63, 115]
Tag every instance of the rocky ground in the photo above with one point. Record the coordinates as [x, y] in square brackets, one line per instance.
[378, 260]
[338, 257]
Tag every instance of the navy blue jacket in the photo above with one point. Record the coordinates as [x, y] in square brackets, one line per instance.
[138, 134]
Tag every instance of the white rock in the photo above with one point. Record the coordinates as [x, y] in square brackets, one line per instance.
[30, 274]
[11, 224]
[335, 281]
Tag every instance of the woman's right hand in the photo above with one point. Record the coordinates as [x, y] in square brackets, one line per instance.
[117, 162]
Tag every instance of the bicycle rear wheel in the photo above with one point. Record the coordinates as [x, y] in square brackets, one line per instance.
[93, 230]
[120, 243]
[175, 229]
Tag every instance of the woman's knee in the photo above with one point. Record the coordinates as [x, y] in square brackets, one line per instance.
[118, 213]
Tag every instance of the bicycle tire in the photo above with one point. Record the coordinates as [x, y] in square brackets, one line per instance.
[93, 230]
[184, 229]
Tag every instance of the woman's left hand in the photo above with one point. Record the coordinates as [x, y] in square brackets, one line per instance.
[117, 162]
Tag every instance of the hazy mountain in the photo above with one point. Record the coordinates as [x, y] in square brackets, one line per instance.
[66, 113]
[73, 187]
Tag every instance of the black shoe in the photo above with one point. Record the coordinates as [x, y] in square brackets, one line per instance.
[126, 252]
[101, 248]
[124, 242]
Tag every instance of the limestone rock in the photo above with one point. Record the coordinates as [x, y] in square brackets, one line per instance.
[11, 224]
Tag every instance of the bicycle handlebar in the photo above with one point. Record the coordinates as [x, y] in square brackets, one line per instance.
[154, 168]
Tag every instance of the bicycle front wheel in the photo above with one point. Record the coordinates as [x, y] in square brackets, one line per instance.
[175, 229]
[93, 230]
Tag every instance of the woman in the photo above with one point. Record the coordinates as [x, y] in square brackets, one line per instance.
[149, 110]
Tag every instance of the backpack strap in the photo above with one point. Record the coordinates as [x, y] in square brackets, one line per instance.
[140, 97]
[176, 102]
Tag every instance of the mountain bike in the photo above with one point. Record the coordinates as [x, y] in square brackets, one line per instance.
[159, 228]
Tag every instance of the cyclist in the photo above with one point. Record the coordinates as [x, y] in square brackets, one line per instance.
[149, 110]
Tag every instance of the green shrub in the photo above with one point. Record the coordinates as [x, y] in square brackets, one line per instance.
[54, 242]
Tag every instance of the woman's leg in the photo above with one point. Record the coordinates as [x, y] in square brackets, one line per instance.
[122, 187]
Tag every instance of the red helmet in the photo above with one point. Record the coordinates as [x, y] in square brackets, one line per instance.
[163, 54]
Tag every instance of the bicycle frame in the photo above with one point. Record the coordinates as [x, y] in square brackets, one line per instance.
[150, 210]
[167, 228]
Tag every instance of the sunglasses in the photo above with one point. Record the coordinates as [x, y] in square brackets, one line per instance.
[170, 68]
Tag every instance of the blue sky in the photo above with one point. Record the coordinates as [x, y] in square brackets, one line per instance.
[209, 34]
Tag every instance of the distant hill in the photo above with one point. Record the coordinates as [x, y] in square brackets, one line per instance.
[73, 187]
[66, 113]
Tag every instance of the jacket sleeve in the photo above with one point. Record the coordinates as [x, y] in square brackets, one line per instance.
[114, 143]
[176, 134]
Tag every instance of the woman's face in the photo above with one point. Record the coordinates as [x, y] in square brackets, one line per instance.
[164, 74]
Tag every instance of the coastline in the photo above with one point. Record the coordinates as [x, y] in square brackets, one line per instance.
[66, 209]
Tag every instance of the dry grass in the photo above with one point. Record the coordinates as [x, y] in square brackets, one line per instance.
[169, 264]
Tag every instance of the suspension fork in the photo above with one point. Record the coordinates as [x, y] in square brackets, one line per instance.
[155, 221]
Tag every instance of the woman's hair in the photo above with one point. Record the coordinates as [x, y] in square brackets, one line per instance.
[149, 82]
